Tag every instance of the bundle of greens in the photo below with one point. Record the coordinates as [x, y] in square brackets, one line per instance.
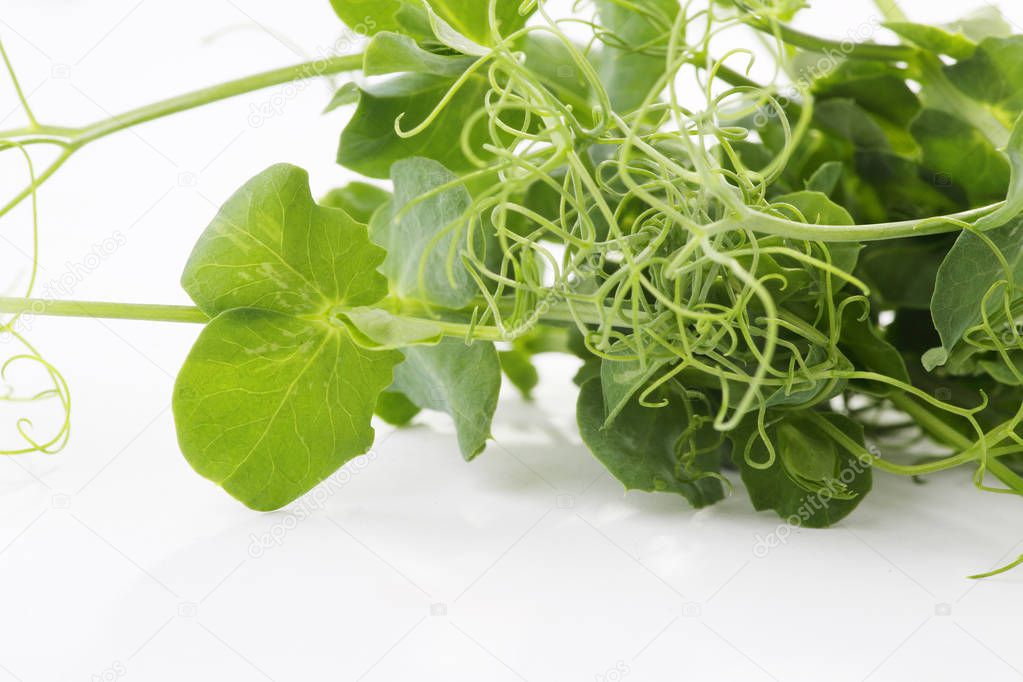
[802, 279]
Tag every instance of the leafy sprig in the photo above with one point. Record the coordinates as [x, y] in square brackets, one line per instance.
[726, 258]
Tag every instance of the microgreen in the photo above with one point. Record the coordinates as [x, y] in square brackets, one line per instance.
[803, 281]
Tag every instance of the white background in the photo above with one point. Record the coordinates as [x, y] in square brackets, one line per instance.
[116, 560]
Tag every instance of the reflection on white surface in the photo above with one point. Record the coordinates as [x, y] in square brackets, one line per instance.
[529, 563]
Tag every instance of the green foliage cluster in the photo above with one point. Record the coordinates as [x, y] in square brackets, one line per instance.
[802, 280]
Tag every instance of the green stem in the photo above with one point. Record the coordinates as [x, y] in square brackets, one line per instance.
[148, 312]
[37, 183]
[933, 425]
[940, 93]
[73, 139]
[733, 77]
[791, 229]
[197, 98]
[113, 311]
[1005, 475]
[77, 137]
[17, 88]
[891, 10]
[850, 49]
[1003, 569]
[970, 453]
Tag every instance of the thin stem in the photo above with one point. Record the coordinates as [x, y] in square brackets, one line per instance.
[73, 139]
[36, 183]
[934, 426]
[1003, 569]
[149, 312]
[945, 464]
[197, 98]
[890, 10]
[17, 88]
[971, 453]
[734, 78]
[1005, 475]
[768, 224]
[113, 311]
[146, 312]
[852, 50]
[464, 331]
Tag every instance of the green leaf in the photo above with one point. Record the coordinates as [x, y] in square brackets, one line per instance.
[968, 272]
[934, 39]
[395, 53]
[423, 231]
[455, 39]
[825, 179]
[549, 340]
[879, 183]
[1014, 199]
[816, 207]
[851, 124]
[550, 59]
[414, 21]
[347, 94]
[369, 144]
[268, 405]
[376, 328]
[463, 381]
[368, 16]
[813, 481]
[877, 87]
[808, 455]
[520, 371]
[276, 395]
[808, 392]
[957, 152]
[621, 380]
[994, 75]
[468, 17]
[396, 409]
[590, 369]
[983, 22]
[358, 199]
[934, 358]
[272, 247]
[867, 348]
[1000, 371]
[642, 448]
[882, 266]
[628, 69]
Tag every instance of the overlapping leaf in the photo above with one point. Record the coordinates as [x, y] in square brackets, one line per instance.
[632, 62]
[423, 230]
[468, 17]
[814, 480]
[463, 381]
[276, 394]
[644, 448]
